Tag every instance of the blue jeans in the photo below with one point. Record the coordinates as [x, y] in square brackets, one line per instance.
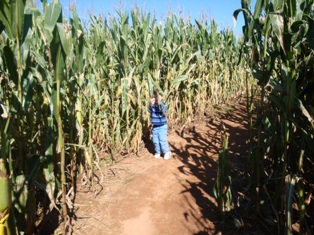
[160, 139]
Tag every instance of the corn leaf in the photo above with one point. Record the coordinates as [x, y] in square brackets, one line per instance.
[52, 15]
[9, 60]
[277, 22]
[65, 38]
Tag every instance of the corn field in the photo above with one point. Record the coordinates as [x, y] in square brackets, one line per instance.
[73, 95]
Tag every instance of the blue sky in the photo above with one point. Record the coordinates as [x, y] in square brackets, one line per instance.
[220, 10]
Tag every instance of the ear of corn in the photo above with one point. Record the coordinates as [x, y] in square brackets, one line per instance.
[5, 192]
[5, 199]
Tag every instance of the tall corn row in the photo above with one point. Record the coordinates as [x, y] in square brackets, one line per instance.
[15, 106]
[37, 112]
[279, 35]
[133, 55]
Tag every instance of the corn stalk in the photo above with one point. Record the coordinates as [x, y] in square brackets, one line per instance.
[279, 35]
[222, 187]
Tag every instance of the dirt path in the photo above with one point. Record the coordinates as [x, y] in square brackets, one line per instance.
[146, 196]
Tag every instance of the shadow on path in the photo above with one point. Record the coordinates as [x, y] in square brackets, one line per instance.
[199, 157]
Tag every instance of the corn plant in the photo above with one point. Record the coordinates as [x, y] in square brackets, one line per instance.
[16, 19]
[35, 73]
[222, 187]
[279, 36]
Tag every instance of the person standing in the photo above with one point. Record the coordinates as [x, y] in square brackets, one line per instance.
[158, 110]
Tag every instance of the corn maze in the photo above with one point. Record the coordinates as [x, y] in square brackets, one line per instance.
[72, 92]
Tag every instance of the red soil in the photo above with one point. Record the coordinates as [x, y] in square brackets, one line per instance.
[141, 195]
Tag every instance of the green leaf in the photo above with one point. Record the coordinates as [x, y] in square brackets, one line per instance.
[40, 60]
[54, 103]
[12, 17]
[258, 8]
[59, 64]
[10, 63]
[276, 86]
[180, 79]
[277, 101]
[291, 8]
[247, 29]
[52, 14]
[5, 17]
[125, 94]
[277, 22]
[18, 18]
[25, 47]
[65, 38]
[299, 9]
[152, 84]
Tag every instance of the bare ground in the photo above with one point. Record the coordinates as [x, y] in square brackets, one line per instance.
[141, 195]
